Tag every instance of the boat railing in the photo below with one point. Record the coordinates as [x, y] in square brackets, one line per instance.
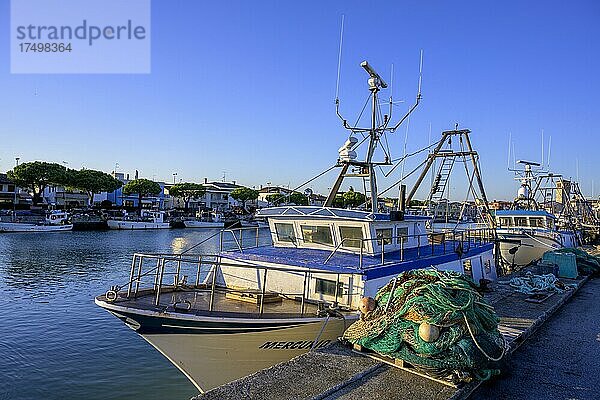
[235, 239]
[427, 245]
[149, 276]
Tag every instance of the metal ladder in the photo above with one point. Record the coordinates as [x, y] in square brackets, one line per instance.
[439, 184]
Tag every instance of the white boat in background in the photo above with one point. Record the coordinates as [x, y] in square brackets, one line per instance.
[56, 221]
[218, 317]
[527, 231]
[525, 235]
[149, 219]
[205, 220]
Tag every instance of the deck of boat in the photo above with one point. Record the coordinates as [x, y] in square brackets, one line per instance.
[226, 303]
[349, 263]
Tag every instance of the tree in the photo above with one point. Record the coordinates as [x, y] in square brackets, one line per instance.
[353, 199]
[187, 191]
[338, 201]
[275, 198]
[298, 199]
[36, 176]
[92, 182]
[143, 187]
[244, 194]
[416, 203]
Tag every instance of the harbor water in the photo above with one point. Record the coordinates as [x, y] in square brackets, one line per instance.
[55, 343]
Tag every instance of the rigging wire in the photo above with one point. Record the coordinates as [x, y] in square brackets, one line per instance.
[361, 112]
[405, 157]
[316, 177]
[404, 177]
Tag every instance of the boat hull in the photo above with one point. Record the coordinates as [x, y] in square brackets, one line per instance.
[20, 227]
[529, 247]
[203, 224]
[213, 351]
[136, 225]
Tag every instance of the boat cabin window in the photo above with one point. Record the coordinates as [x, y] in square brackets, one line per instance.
[327, 287]
[536, 222]
[520, 221]
[385, 234]
[353, 236]
[285, 232]
[316, 234]
[402, 233]
[505, 221]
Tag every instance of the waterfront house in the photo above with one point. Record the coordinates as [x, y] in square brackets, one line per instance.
[63, 197]
[10, 194]
[119, 199]
[217, 197]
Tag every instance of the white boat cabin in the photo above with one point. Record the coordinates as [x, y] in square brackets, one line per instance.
[537, 219]
[351, 231]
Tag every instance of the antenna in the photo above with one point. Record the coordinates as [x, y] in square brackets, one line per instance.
[418, 100]
[337, 83]
[509, 142]
[549, 147]
[391, 90]
[542, 162]
[420, 74]
[514, 157]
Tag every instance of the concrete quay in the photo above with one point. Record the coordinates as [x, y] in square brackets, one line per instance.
[338, 373]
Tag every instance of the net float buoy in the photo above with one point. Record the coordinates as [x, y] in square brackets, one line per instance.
[367, 304]
[429, 333]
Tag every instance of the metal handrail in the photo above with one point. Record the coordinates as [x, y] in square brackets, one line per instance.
[240, 243]
[214, 261]
[405, 238]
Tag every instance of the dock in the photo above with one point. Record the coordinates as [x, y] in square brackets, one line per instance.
[338, 372]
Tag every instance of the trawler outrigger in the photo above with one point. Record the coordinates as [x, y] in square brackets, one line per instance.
[218, 317]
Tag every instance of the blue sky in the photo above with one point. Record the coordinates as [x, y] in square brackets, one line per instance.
[248, 87]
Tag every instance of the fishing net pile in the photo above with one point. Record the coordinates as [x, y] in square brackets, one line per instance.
[437, 322]
[530, 283]
[587, 264]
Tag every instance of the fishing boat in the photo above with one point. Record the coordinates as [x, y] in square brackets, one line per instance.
[149, 219]
[218, 317]
[528, 230]
[55, 221]
[205, 220]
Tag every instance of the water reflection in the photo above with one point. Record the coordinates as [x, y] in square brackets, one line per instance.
[54, 342]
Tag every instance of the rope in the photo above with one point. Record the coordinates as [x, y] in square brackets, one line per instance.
[320, 333]
[479, 347]
[462, 334]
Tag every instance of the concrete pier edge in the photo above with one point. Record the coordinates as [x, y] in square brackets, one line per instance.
[465, 391]
[372, 367]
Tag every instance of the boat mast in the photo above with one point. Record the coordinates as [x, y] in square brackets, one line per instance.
[375, 131]
[375, 82]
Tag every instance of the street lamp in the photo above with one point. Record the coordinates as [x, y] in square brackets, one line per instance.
[174, 175]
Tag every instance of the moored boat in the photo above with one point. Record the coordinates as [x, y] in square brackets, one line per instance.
[205, 220]
[527, 230]
[221, 316]
[149, 219]
[55, 221]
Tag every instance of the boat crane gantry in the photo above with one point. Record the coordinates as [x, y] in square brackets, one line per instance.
[439, 153]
